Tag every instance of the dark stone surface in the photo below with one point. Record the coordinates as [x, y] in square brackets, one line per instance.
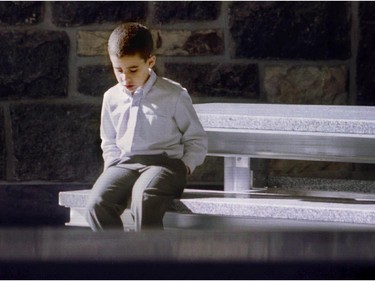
[176, 11]
[95, 80]
[216, 80]
[134, 269]
[20, 12]
[210, 43]
[80, 254]
[364, 171]
[291, 30]
[366, 55]
[56, 142]
[33, 64]
[71, 13]
[2, 146]
[34, 205]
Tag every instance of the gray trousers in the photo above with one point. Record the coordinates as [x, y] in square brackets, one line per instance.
[149, 183]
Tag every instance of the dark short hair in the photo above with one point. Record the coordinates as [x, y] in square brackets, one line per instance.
[130, 39]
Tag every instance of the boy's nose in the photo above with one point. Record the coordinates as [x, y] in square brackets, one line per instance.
[123, 78]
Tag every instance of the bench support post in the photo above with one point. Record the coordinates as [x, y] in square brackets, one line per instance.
[237, 174]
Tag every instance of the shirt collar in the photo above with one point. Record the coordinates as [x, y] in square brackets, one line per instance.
[150, 82]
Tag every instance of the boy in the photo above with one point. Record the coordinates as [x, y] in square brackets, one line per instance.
[151, 137]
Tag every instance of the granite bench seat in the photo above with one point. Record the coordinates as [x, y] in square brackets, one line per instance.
[237, 209]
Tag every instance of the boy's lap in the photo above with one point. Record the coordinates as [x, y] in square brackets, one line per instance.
[126, 178]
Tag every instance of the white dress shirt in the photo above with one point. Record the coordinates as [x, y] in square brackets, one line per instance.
[158, 119]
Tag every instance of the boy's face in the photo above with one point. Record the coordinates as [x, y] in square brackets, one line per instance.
[132, 72]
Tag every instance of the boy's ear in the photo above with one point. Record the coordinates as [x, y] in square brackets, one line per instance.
[151, 61]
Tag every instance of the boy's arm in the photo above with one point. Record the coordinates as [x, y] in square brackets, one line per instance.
[111, 153]
[194, 137]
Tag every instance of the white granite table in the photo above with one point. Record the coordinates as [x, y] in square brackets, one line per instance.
[239, 132]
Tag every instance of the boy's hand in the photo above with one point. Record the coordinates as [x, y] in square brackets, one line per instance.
[187, 170]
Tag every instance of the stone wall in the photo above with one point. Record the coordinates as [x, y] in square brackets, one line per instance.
[54, 70]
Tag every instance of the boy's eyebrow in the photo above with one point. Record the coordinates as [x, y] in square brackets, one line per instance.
[133, 66]
[129, 67]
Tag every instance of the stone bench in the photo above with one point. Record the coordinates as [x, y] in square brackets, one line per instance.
[239, 132]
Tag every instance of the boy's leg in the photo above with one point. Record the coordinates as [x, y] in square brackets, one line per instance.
[154, 191]
[109, 197]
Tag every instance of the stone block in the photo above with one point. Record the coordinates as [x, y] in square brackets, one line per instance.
[216, 80]
[57, 142]
[184, 42]
[20, 12]
[366, 54]
[34, 64]
[306, 84]
[290, 30]
[95, 80]
[2, 146]
[92, 43]
[178, 11]
[73, 13]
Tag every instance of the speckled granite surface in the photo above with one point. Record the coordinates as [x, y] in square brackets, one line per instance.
[321, 184]
[296, 209]
[77, 198]
[319, 206]
[284, 117]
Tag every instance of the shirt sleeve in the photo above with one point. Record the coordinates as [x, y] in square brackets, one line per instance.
[194, 137]
[111, 152]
